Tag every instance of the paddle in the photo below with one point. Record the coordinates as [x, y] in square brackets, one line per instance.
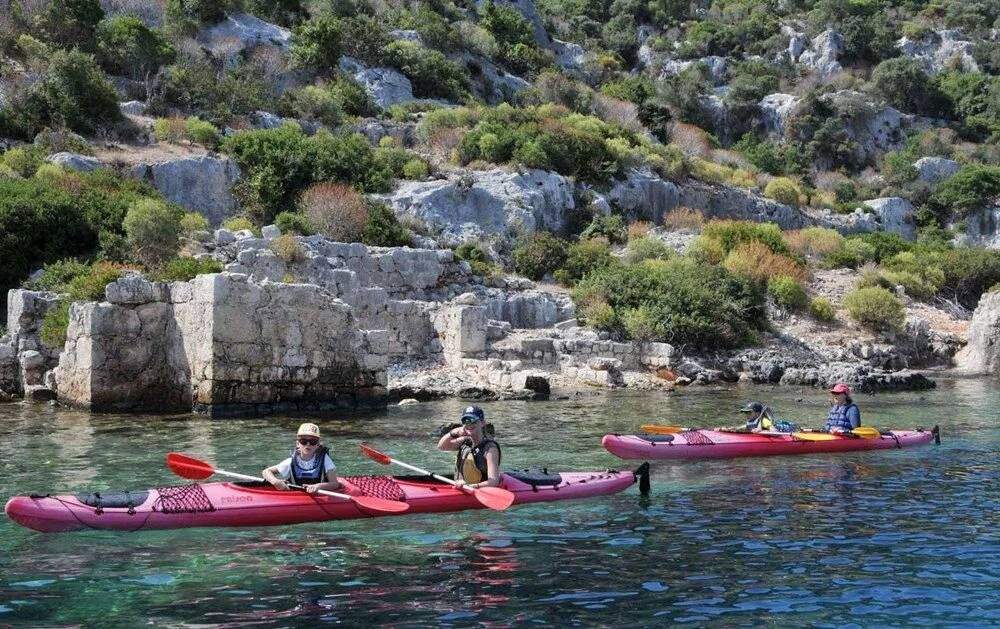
[196, 469]
[663, 430]
[496, 498]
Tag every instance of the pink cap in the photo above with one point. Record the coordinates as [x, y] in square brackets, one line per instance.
[840, 387]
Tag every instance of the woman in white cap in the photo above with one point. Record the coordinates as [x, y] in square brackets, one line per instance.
[309, 465]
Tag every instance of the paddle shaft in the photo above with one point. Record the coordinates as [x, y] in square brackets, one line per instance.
[332, 494]
[443, 479]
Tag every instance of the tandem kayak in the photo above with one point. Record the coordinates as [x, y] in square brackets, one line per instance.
[258, 504]
[715, 444]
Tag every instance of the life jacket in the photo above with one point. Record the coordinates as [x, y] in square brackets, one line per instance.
[838, 418]
[470, 461]
[309, 476]
[762, 422]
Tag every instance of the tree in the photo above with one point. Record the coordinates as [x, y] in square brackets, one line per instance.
[904, 84]
[317, 42]
[152, 228]
[127, 47]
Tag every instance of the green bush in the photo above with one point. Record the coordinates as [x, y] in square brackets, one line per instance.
[415, 169]
[239, 223]
[884, 244]
[478, 261]
[903, 83]
[57, 275]
[821, 309]
[965, 192]
[54, 326]
[127, 47]
[293, 223]
[152, 228]
[220, 93]
[732, 233]
[788, 292]
[365, 38]
[539, 254]
[188, 15]
[382, 228]
[608, 226]
[635, 89]
[968, 272]
[316, 43]
[70, 23]
[23, 160]
[771, 158]
[312, 103]
[353, 98]
[876, 308]
[193, 222]
[583, 257]
[646, 248]
[782, 190]
[851, 254]
[201, 132]
[185, 268]
[686, 303]
[431, 73]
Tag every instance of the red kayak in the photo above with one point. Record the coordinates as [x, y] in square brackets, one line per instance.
[715, 444]
[258, 504]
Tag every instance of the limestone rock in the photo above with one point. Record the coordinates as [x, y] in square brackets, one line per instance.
[983, 228]
[493, 83]
[483, 203]
[775, 110]
[823, 54]
[569, 56]
[74, 161]
[895, 215]
[940, 50]
[982, 354]
[270, 232]
[133, 289]
[717, 68]
[644, 195]
[133, 107]
[876, 129]
[408, 402]
[385, 86]
[240, 31]
[200, 183]
[934, 170]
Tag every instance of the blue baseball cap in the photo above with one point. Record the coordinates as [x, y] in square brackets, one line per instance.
[472, 414]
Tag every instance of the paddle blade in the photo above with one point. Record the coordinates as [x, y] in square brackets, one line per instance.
[375, 455]
[496, 498]
[815, 436]
[189, 467]
[371, 503]
[867, 432]
[663, 430]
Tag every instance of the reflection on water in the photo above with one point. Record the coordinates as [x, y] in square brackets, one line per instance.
[874, 538]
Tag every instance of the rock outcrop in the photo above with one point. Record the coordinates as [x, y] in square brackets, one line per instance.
[895, 215]
[74, 161]
[385, 86]
[200, 183]
[823, 53]
[982, 354]
[239, 31]
[934, 170]
[941, 50]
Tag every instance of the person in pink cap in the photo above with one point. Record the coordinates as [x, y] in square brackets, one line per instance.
[845, 415]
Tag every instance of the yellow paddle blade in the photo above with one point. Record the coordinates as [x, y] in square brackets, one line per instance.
[663, 430]
[867, 432]
[815, 436]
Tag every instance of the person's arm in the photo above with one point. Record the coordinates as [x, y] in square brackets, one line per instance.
[273, 475]
[331, 473]
[492, 470]
[451, 440]
[854, 415]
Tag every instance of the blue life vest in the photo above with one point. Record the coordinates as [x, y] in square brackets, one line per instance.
[310, 476]
[838, 419]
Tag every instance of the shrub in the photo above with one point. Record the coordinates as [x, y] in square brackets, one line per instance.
[353, 98]
[151, 228]
[609, 226]
[684, 219]
[188, 15]
[875, 308]
[965, 192]
[706, 250]
[480, 263]
[127, 47]
[383, 228]
[23, 161]
[851, 254]
[185, 268]
[316, 43]
[583, 257]
[733, 233]
[169, 129]
[884, 244]
[782, 190]
[968, 272]
[336, 210]
[555, 87]
[814, 242]
[201, 132]
[312, 103]
[293, 223]
[788, 292]
[239, 223]
[193, 222]
[684, 302]
[54, 326]
[635, 89]
[754, 260]
[73, 92]
[646, 248]
[416, 169]
[539, 254]
[904, 84]
[640, 323]
[57, 275]
[639, 229]
[432, 74]
[821, 309]
[286, 247]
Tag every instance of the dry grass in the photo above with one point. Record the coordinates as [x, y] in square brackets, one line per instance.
[287, 248]
[639, 229]
[684, 219]
[758, 262]
[814, 242]
[171, 129]
[616, 111]
[335, 210]
[691, 139]
[444, 143]
[829, 179]
[710, 171]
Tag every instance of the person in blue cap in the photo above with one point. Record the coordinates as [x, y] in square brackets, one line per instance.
[477, 454]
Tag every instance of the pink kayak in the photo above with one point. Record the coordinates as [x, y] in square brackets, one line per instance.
[714, 444]
[257, 504]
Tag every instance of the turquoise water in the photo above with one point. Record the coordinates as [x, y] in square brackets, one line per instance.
[892, 538]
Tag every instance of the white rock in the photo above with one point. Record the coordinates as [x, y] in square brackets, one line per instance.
[408, 401]
[224, 236]
[134, 107]
[245, 31]
[244, 234]
[644, 194]
[385, 86]
[200, 183]
[982, 354]
[775, 109]
[941, 50]
[74, 161]
[270, 232]
[934, 170]
[895, 215]
[823, 52]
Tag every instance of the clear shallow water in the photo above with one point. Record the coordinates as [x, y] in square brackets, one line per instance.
[893, 538]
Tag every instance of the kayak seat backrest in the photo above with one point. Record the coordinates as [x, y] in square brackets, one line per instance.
[659, 438]
[384, 487]
[114, 499]
[535, 478]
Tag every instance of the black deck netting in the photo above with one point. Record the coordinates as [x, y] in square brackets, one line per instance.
[384, 487]
[183, 499]
[695, 438]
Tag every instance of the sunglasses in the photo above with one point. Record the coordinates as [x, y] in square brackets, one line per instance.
[469, 420]
[308, 441]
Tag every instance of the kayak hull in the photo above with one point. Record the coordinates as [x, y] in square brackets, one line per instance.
[713, 444]
[256, 504]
